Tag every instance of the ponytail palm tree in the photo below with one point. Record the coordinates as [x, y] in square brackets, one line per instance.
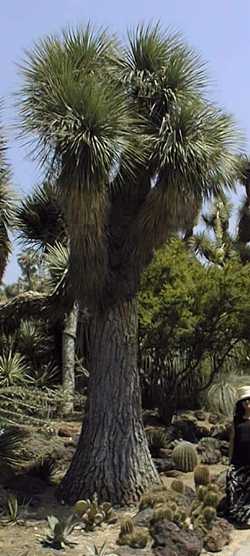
[136, 147]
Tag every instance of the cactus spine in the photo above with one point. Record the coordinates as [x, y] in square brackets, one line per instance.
[185, 456]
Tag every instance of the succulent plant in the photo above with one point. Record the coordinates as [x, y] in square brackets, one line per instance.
[211, 499]
[59, 532]
[178, 486]
[157, 441]
[93, 514]
[201, 475]
[201, 492]
[221, 398]
[162, 513]
[99, 551]
[209, 514]
[185, 456]
[138, 539]
[179, 517]
[127, 526]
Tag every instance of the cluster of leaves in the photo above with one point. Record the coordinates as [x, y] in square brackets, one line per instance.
[192, 314]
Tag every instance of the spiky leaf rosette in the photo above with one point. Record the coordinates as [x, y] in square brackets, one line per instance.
[57, 259]
[83, 123]
[39, 217]
[192, 143]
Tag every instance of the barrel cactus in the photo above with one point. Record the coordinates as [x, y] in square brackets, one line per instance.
[201, 475]
[185, 456]
[221, 398]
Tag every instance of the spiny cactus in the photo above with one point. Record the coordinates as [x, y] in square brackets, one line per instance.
[209, 514]
[178, 486]
[201, 475]
[201, 492]
[221, 398]
[137, 539]
[162, 513]
[127, 526]
[92, 514]
[150, 499]
[179, 518]
[185, 456]
[157, 440]
[211, 499]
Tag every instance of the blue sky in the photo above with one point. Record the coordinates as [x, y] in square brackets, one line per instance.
[218, 29]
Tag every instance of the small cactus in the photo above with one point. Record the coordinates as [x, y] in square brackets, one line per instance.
[201, 492]
[81, 507]
[201, 475]
[185, 456]
[209, 513]
[178, 486]
[162, 513]
[211, 499]
[138, 539]
[127, 526]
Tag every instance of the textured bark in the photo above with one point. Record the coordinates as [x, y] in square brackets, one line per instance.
[68, 360]
[112, 458]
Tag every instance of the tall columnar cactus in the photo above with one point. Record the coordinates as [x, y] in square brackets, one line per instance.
[185, 456]
[221, 398]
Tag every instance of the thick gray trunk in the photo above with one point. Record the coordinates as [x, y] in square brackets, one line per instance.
[112, 458]
[68, 360]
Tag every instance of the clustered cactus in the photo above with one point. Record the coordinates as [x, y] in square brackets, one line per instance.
[185, 456]
[203, 509]
[92, 514]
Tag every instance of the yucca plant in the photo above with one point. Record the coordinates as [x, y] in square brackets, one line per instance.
[102, 551]
[7, 203]
[13, 369]
[112, 121]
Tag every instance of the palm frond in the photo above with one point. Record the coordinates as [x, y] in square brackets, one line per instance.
[57, 259]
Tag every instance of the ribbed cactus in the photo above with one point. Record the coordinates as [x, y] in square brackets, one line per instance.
[185, 456]
[201, 475]
[162, 513]
[221, 398]
[211, 499]
[178, 486]
[127, 526]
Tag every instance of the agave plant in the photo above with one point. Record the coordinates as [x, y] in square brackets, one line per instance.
[59, 532]
[102, 551]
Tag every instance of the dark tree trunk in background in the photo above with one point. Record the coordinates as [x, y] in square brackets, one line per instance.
[112, 458]
[68, 360]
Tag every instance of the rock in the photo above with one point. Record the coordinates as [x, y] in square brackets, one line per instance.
[163, 465]
[189, 494]
[173, 473]
[185, 429]
[202, 430]
[209, 450]
[143, 518]
[170, 540]
[200, 415]
[221, 431]
[67, 432]
[224, 447]
[213, 419]
[219, 536]
[165, 453]
[127, 551]
[220, 481]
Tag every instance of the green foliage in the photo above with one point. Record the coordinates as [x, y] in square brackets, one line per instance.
[59, 531]
[185, 456]
[13, 370]
[12, 508]
[196, 315]
[11, 443]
